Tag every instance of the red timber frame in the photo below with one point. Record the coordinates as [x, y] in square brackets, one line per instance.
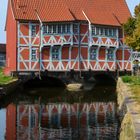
[74, 50]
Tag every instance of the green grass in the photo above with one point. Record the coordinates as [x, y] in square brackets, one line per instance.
[134, 83]
[134, 80]
[136, 92]
[5, 79]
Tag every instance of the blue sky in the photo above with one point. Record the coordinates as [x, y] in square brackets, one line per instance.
[3, 10]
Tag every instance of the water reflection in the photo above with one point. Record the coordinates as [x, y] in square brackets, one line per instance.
[62, 115]
[82, 121]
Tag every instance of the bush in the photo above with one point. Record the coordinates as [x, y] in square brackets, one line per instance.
[127, 79]
[131, 80]
[4, 79]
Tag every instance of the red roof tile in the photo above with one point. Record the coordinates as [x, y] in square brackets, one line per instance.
[106, 12]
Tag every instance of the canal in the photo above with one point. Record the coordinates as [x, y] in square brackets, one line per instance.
[58, 114]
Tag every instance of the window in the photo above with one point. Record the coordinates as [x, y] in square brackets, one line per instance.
[110, 54]
[54, 29]
[75, 28]
[97, 31]
[2, 57]
[68, 28]
[93, 30]
[57, 29]
[63, 29]
[55, 53]
[45, 29]
[114, 32]
[34, 54]
[104, 31]
[93, 53]
[110, 32]
[49, 29]
[33, 30]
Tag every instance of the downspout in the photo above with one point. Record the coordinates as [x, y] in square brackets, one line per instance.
[40, 42]
[89, 27]
[90, 36]
[79, 49]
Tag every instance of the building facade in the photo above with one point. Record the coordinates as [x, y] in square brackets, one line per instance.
[65, 35]
[2, 55]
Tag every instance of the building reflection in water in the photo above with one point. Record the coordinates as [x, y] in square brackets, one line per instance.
[63, 121]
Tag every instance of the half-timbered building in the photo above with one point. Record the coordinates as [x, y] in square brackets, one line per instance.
[65, 35]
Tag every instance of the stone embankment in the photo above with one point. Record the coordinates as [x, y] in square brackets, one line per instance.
[129, 112]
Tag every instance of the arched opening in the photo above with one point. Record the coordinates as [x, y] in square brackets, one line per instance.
[105, 79]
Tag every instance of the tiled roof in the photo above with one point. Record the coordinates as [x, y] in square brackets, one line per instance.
[2, 48]
[106, 12]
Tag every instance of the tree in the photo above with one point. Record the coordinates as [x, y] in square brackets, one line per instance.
[132, 30]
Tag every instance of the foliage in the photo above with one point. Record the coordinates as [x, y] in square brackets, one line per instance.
[134, 83]
[131, 80]
[5, 79]
[132, 30]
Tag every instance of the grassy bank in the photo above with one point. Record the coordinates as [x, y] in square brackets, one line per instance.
[134, 83]
[5, 79]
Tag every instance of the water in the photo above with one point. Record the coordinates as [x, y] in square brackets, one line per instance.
[57, 114]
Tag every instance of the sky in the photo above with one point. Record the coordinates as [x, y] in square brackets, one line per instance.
[3, 10]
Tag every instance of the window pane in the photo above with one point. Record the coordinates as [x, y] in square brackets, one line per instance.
[68, 28]
[59, 28]
[110, 32]
[50, 29]
[75, 28]
[93, 30]
[33, 30]
[101, 31]
[97, 30]
[110, 54]
[114, 32]
[55, 53]
[106, 31]
[63, 29]
[93, 53]
[34, 55]
[45, 29]
[54, 29]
